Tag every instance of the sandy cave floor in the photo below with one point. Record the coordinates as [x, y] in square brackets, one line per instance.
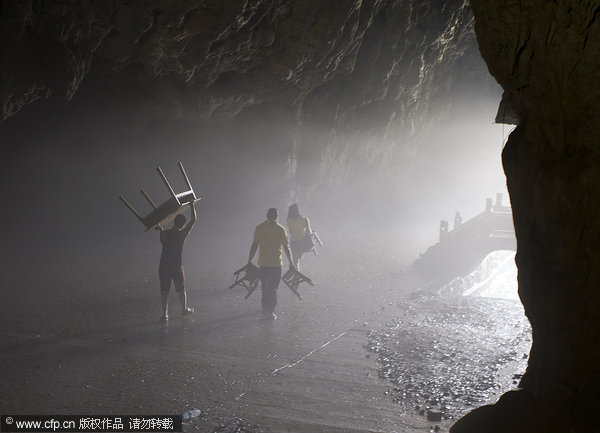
[365, 350]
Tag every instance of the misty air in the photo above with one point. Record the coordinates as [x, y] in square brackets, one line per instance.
[299, 216]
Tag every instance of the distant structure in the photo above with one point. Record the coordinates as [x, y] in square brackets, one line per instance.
[461, 250]
[457, 220]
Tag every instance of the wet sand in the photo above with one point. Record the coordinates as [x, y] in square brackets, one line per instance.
[80, 335]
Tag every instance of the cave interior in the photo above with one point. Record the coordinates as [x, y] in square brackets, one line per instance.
[373, 115]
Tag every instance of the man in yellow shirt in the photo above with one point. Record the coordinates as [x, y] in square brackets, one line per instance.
[270, 238]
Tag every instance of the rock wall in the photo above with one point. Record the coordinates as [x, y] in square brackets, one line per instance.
[356, 80]
[546, 56]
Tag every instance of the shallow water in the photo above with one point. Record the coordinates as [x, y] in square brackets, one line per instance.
[93, 318]
[452, 353]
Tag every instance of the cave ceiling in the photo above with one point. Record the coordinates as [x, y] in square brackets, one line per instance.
[384, 68]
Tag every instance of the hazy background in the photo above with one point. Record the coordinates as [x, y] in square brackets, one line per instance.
[66, 164]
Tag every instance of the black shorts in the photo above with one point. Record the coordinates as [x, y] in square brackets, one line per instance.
[296, 249]
[166, 274]
[301, 246]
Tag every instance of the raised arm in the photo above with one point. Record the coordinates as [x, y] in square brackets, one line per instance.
[188, 227]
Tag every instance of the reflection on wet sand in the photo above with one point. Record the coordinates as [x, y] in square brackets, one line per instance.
[308, 371]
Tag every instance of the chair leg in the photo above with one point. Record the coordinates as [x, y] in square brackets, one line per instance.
[162, 176]
[145, 194]
[133, 211]
[187, 181]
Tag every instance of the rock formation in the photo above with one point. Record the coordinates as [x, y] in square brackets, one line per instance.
[369, 75]
[546, 57]
[355, 82]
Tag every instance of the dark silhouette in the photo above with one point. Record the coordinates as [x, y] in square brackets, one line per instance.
[269, 238]
[171, 267]
[457, 220]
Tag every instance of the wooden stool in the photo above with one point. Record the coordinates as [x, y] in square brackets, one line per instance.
[166, 212]
[247, 277]
[316, 240]
[293, 279]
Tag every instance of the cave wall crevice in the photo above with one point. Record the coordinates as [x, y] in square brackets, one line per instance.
[545, 56]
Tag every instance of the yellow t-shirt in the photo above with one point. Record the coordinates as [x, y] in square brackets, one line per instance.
[297, 227]
[271, 236]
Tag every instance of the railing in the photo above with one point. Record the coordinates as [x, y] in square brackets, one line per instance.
[462, 249]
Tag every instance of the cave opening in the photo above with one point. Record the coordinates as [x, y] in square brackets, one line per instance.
[377, 118]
